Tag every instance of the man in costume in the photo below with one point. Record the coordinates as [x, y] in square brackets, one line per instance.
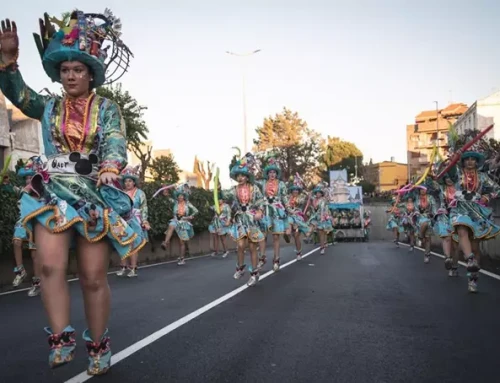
[79, 200]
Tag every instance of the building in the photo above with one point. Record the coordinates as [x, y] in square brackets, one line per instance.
[430, 128]
[480, 115]
[20, 136]
[386, 175]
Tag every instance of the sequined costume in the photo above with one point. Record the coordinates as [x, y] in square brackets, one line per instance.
[138, 197]
[320, 217]
[82, 139]
[182, 210]
[221, 223]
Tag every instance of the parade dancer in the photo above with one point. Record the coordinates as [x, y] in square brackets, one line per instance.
[470, 217]
[295, 209]
[130, 179]
[220, 225]
[408, 221]
[84, 151]
[247, 212]
[275, 218]
[320, 218]
[442, 226]
[425, 205]
[184, 212]
[21, 236]
[394, 222]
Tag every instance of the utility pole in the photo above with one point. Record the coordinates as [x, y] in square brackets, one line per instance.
[245, 128]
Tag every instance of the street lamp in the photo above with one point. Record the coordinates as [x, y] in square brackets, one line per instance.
[245, 134]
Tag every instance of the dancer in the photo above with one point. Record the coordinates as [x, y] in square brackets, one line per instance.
[247, 212]
[394, 222]
[425, 205]
[443, 227]
[471, 219]
[21, 236]
[275, 217]
[295, 209]
[220, 225]
[130, 179]
[184, 212]
[320, 219]
[84, 151]
[408, 220]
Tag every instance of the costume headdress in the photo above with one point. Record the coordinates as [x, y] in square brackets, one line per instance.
[28, 168]
[132, 173]
[272, 165]
[245, 166]
[89, 38]
[183, 190]
[297, 183]
[320, 188]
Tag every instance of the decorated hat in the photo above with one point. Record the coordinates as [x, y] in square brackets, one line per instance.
[131, 173]
[320, 188]
[296, 184]
[244, 166]
[473, 154]
[272, 165]
[89, 38]
[28, 169]
[183, 190]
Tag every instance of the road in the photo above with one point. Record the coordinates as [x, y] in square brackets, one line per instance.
[364, 312]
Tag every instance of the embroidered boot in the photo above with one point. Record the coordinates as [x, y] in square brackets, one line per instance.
[99, 353]
[62, 346]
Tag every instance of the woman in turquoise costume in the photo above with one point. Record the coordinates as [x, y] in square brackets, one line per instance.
[425, 205]
[275, 218]
[320, 218]
[247, 212]
[470, 216]
[184, 212]
[408, 220]
[220, 225]
[130, 179]
[21, 236]
[84, 151]
[394, 221]
[296, 202]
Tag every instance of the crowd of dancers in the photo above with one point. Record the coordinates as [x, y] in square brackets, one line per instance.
[453, 205]
[80, 194]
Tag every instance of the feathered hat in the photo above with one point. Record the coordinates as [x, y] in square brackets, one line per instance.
[132, 173]
[296, 184]
[183, 190]
[245, 166]
[479, 150]
[89, 38]
[320, 188]
[272, 165]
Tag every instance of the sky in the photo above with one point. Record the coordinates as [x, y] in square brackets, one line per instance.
[360, 70]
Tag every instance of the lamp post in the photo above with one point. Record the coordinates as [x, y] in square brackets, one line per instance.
[245, 133]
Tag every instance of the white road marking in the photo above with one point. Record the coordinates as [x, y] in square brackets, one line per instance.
[489, 274]
[83, 377]
[112, 272]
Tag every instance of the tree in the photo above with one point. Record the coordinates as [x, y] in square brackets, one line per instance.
[204, 172]
[165, 170]
[340, 154]
[295, 147]
[367, 186]
[133, 114]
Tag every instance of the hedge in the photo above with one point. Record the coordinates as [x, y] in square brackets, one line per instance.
[160, 213]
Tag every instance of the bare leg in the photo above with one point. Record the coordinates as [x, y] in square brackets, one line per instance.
[464, 241]
[241, 251]
[222, 239]
[168, 235]
[182, 248]
[18, 252]
[298, 244]
[93, 260]
[52, 251]
[37, 267]
[276, 245]
[253, 255]
[215, 239]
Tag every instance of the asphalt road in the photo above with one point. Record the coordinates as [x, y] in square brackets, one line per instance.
[364, 312]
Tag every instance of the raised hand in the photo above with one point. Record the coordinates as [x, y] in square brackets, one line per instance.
[9, 41]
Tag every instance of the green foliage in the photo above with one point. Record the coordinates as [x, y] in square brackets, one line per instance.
[10, 214]
[296, 147]
[367, 186]
[165, 170]
[132, 113]
[160, 209]
[339, 154]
